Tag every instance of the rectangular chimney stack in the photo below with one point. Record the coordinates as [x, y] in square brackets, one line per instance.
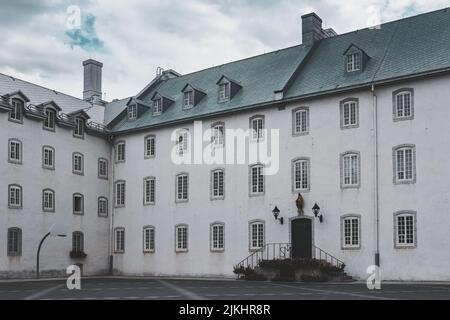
[312, 31]
[92, 80]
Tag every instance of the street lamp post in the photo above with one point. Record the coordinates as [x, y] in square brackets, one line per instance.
[50, 233]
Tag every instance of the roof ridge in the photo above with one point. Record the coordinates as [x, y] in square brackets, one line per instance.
[42, 87]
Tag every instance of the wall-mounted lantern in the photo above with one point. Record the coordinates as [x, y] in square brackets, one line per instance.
[276, 213]
[316, 211]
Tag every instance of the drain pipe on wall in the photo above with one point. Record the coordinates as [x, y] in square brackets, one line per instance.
[112, 206]
[376, 172]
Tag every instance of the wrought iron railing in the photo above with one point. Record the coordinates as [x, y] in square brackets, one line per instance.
[273, 251]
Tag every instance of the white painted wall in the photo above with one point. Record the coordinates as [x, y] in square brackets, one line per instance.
[33, 179]
[429, 196]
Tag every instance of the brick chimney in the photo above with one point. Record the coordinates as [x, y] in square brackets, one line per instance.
[92, 80]
[312, 31]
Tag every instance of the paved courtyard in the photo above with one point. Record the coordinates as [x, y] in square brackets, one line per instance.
[165, 289]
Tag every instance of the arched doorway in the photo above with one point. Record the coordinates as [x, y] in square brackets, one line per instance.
[301, 237]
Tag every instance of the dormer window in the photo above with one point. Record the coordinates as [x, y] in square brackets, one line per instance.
[224, 91]
[353, 62]
[188, 99]
[157, 106]
[132, 112]
[16, 112]
[49, 121]
[78, 131]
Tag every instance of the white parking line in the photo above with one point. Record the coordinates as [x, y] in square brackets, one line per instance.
[42, 293]
[188, 294]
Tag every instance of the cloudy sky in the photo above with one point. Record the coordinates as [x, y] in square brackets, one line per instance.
[42, 44]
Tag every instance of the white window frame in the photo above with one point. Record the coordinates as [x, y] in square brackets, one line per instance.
[217, 184]
[257, 235]
[50, 119]
[218, 134]
[119, 240]
[15, 151]
[181, 238]
[149, 191]
[157, 106]
[353, 62]
[300, 121]
[404, 169]
[120, 151]
[48, 200]
[16, 115]
[78, 131]
[103, 162]
[349, 113]
[217, 236]
[132, 112]
[402, 233]
[120, 194]
[224, 91]
[48, 157]
[257, 128]
[402, 100]
[182, 190]
[78, 163]
[350, 169]
[148, 239]
[257, 183]
[149, 146]
[102, 203]
[15, 196]
[183, 141]
[188, 99]
[81, 197]
[351, 231]
[301, 175]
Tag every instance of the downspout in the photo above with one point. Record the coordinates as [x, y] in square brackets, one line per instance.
[376, 171]
[111, 197]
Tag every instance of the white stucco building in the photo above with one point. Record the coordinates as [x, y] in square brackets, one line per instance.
[362, 121]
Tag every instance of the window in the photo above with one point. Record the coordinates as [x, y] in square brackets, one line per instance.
[182, 186]
[351, 234]
[257, 128]
[256, 235]
[149, 239]
[78, 204]
[300, 121]
[15, 196]
[256, 180]
[217, 237]
[350, 169]
[157, 106]
[120, 193]
[119, 240]
[403, 104]
[102, 207]
[181, 238]
[300, 174]
[103, 168]
[132, 112]
[349, 113]
[48, 200]
[224, 91]
[78, 131]
[404, 164]
[77, 163]
[14, 151]
[48, 157]
[217, 184]
[77, 242]
[218, 134]
[14, 242]
[120, 151]
[405, 224]
[188, 99]
[49, 121]
[149, 190]
[16, 112]
[149, 144]
[183, 142]
[353, 62]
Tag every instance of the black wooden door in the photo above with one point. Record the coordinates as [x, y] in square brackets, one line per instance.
[301, 238]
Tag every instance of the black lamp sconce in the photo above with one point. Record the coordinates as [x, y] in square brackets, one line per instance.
[276, 213]
[316, 211]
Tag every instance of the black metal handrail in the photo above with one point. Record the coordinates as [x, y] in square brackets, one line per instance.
[320, 254]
